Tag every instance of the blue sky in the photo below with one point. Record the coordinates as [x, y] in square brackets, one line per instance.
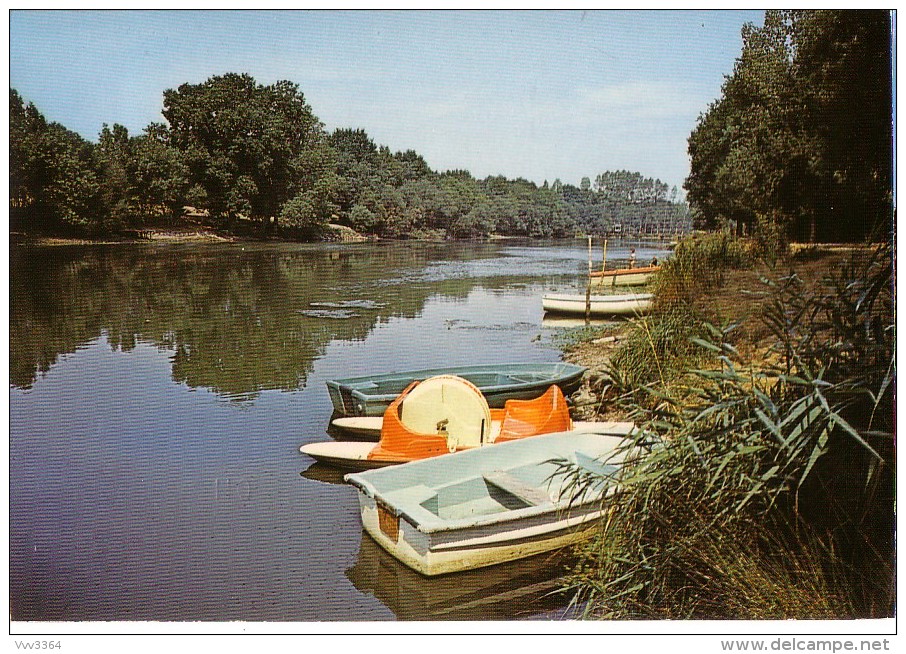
[535, 94]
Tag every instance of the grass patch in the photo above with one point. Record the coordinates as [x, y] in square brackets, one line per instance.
[568, 339]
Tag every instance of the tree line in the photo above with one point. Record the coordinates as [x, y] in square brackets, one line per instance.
[255, 158]
[799, 144]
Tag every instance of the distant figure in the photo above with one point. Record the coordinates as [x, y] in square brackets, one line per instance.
[632, 257]
[653, 261]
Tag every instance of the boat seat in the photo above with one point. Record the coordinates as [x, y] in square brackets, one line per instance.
[412, 495]
[543, 415]
[596, 466]
[450, 406]
[506, 482]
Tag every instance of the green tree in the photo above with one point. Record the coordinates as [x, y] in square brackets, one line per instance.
[53, 182]
[161, 174]
[241, 141]
[801, 135]
[843, 65]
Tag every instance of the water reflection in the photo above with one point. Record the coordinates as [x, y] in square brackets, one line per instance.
[516, 590]
[159, 397]
[237, 320]
[323, 473]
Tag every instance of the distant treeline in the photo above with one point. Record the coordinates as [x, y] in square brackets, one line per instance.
[799, 145]
[254, 158]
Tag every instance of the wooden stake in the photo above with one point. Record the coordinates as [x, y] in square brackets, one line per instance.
[588, 287]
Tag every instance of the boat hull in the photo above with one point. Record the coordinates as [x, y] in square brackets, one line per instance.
[600, 305]
[346, 455]
[369, 427]
[371, 395]
[433, 555]
[489, 505]
[623, 277]
[354, 455]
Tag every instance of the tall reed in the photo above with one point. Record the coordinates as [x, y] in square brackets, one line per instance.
[772, 496]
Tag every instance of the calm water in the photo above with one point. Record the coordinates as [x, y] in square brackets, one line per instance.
[159, 395]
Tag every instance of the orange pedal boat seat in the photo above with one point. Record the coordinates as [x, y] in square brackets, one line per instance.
[543, 415]
[446, 413]
[433, 417]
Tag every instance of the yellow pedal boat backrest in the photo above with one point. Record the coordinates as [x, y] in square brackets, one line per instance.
[436, 416]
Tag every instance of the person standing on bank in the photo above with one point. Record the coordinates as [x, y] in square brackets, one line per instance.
[632, 257]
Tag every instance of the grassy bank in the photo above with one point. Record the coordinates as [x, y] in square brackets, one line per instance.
[768, 377]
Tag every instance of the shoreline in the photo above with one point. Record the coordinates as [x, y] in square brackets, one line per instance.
[734, 300]
[199, 234]
[149, 236]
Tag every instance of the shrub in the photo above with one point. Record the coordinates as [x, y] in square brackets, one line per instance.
[657, 350]
[773, 493]
[699, 263]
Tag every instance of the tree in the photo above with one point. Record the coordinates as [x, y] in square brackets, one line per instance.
[52, 177]
[241, 141]
[801, 135]
[843, 63]
[161, 174]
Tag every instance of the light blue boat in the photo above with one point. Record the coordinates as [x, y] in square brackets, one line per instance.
[489, 505]
[370, 395]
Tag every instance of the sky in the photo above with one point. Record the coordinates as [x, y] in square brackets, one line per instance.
[542, 95]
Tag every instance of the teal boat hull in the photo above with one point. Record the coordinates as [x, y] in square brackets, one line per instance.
[370, 395]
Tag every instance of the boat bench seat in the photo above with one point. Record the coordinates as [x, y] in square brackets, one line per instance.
[525, 379]
[412, 495]
[516, 487]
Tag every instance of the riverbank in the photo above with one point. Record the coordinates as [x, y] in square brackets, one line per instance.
[182, 235]
[199, 233]
[767, 378]
[739, 299]
[186, 234]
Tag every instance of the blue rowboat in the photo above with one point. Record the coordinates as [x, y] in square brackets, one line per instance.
[371, 395]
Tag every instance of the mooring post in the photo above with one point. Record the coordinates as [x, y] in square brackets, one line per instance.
[588, 287]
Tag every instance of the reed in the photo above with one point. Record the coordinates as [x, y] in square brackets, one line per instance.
[771, 494]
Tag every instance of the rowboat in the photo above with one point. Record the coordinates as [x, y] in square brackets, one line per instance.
[624, 276]
[371, 395]
[601, 305]
[489, 505]
[447, 414]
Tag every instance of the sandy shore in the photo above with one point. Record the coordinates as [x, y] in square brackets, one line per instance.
[140, 236]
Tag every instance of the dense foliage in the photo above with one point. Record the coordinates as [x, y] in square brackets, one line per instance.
[769, 492]
[52, 176]
[254, 158]
[801, 137]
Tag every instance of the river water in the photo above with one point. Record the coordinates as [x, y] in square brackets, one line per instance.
[159, 395]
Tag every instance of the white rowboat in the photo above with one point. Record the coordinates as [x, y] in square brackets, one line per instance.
[628, 304]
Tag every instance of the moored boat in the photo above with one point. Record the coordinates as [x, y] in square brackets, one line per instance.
[600, 305]
[623, 276]
[446, 414]
[371, 395]
[489, 505]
